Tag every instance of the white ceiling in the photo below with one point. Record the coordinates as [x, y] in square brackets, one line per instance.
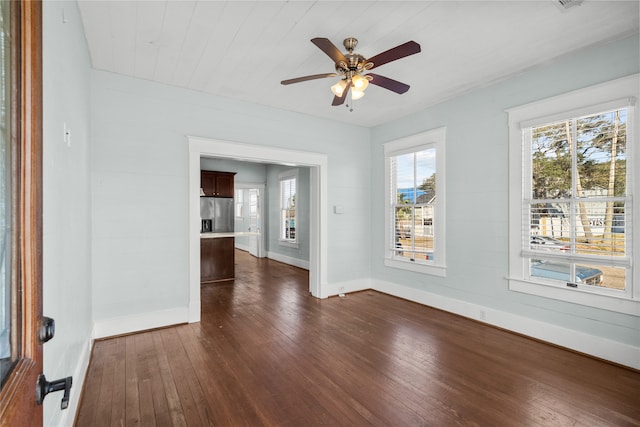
[243, 49]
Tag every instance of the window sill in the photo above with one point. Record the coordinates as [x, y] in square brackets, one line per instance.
[288, 244]
[576, 296]
[433, 270]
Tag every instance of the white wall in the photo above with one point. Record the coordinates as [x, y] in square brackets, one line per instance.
[139, 168]
[477, 204]
[299, 255]
[66, 199]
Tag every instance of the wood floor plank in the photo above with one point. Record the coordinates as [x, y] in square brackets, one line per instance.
[118, 401]
[105, 399]
[132, 395]
[144, 370]
[194, 404]
[147, 414]
[266, 353]
[174, 407]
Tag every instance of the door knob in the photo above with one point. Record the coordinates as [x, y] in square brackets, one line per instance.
[44, 387]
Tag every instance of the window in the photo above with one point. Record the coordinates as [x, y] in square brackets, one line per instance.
[414, 220]
[239, 202]
[571, 216]
[288, 182]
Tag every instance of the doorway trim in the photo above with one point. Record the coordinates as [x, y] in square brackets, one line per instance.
[317, 163]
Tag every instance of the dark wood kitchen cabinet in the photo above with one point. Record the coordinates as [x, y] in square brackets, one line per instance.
[217, 184]
[217, 259]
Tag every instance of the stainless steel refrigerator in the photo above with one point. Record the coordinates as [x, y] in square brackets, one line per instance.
[216, 214]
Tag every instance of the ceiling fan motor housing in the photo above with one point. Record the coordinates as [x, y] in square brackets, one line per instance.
[356, 63]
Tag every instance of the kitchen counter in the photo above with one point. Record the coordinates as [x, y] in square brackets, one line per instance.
[230, 234]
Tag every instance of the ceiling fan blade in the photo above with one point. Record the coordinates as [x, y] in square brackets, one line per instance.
[330, 49]
[305, 78]
[387, 83]
[339, 100]
[405, 49]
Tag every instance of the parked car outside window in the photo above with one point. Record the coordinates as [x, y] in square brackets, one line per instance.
[562, 271]
[549, 243]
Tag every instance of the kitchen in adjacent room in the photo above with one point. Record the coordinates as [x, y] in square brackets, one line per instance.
[217, 241]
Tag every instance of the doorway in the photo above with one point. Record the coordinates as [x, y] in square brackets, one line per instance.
[250, 217]
[317, 164]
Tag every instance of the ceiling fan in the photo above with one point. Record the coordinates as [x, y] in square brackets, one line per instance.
[350, 67]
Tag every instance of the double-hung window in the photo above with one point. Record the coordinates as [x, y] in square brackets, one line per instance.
[288, 188]
[574, 180]
[415, 201]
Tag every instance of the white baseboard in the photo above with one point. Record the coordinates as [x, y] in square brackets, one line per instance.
[288, 260]
[582, 342]
[242, 247]
[68, 416]
[140, 322]
[332, 289]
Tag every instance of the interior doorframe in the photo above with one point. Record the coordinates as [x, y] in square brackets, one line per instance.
[317, 163]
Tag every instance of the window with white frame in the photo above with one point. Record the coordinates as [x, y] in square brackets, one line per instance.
[239, 202]
[288, 190]
[415, 202]
[572, 182]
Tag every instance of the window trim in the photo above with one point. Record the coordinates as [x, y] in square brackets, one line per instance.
[283, 176]
[434, 138]
[539, 112]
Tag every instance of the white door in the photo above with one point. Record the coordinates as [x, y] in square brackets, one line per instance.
[254, 222]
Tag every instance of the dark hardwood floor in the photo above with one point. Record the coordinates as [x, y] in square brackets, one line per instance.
[266, 353]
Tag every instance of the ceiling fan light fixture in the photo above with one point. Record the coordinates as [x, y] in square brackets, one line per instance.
[359, 83]
[356, 94]
[339, 87]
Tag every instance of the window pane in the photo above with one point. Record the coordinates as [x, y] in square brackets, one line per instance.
[423, 226]
[614, 277]
[595, 228]
[551, 161]
[550, 227]
[404, 244]
[403, 168]
[601, 154]
[426, 175]
[567, 272]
